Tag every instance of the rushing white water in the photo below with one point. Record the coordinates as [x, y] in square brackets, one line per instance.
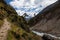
[41, 34]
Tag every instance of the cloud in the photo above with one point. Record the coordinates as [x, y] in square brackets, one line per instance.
[17, 3]
[48, 2]
[30, 6]
[20, 12]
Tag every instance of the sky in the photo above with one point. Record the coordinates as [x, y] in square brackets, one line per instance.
[30, 7]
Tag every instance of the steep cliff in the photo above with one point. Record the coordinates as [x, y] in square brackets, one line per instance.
[12, 26]
[48, 20]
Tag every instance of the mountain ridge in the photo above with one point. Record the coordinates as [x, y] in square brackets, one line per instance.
[45, 10]
[48, 21]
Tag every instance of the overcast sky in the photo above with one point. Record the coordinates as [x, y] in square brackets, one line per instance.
[29, 6]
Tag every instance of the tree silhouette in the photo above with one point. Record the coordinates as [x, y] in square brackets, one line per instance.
[25, 14]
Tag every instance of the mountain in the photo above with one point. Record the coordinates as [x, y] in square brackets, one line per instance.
[12, 26]
[48, 20]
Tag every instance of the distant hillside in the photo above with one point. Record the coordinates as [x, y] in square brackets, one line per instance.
[45, 11]
[12, 26]
[48, 20]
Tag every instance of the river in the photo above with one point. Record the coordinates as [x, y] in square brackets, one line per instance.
[41, 34]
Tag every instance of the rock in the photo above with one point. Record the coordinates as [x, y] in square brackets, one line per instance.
[47, 37]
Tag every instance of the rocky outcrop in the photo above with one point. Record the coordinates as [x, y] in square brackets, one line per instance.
[47, 37]
[48, 20]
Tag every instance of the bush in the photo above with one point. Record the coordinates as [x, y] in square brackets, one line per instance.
[1, 23]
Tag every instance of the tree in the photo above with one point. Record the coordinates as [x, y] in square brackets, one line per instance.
[24, 15]
[34, 14]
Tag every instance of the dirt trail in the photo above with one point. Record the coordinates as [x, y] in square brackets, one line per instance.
[4, 30]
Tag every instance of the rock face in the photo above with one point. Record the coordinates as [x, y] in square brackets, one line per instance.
[48, 20]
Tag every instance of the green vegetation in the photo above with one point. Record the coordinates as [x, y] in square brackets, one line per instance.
[10, 36]
[19, 27]
[1, 23]
[19, 33]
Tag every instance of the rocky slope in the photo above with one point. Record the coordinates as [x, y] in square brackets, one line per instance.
[48, 20]
[12, 26]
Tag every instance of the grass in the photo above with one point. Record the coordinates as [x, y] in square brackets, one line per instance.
[1, 22]
[10, 36]
[17, 29]
[1, 4]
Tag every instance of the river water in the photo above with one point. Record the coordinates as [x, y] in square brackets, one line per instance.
[41, 34]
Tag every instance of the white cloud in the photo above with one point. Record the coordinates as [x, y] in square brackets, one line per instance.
[30, 6]
[20, 12]
[48, 2]
[17, 4]
[32, 2]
